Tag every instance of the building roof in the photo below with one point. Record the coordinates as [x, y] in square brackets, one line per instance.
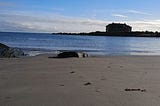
[118, 24]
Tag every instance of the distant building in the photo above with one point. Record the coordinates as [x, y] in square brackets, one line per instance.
[118, 28]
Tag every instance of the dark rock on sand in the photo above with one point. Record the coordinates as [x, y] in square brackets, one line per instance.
[7, 52]
[72, 54]
[141, 90]
[72, 72]
[88, 83]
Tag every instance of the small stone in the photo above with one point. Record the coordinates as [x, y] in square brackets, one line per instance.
[88, 83]
[143, 90]
[72, 72]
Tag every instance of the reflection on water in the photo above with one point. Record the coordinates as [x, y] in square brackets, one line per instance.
[40, 43]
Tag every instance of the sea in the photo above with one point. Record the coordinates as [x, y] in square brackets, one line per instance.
[40, 43]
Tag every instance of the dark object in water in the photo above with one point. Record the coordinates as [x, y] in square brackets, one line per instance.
[141, 90]
[72, 54]
[88, 83]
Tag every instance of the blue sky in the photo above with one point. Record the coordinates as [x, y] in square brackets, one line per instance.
[77, 15]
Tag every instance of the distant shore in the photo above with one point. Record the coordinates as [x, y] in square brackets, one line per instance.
[122, 34]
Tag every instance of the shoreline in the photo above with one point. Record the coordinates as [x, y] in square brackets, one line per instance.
[55, 53]
[91, 53]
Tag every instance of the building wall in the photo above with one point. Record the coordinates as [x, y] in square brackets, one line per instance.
[117, 28]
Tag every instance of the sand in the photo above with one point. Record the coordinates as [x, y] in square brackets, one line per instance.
[94, 81]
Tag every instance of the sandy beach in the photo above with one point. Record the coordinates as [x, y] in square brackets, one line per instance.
[93, 81]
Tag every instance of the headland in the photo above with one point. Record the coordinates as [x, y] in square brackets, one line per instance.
[117, 29]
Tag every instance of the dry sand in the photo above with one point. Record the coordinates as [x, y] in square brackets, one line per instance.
[43, 81]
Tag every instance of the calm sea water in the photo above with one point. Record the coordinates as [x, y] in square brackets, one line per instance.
[38, 43]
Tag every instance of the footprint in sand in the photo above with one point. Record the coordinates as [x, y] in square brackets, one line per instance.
[98, 91]
[121, 66]
[103, 78]
[109, 67]
[8, 97]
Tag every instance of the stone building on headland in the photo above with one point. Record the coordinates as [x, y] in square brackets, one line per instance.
[118, 28]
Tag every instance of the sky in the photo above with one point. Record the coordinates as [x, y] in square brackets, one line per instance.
[77, 15]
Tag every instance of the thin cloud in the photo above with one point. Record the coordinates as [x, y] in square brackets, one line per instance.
[58, 23]
[119, 16]
[54, 24]
[138, 12]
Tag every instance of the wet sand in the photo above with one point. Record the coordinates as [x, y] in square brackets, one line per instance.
[94, 81]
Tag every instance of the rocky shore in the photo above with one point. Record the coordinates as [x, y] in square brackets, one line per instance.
[8, 52]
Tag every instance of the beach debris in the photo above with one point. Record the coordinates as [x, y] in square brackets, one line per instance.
[134, 90]
[72, 72]
[88, 83]
[70, 54]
